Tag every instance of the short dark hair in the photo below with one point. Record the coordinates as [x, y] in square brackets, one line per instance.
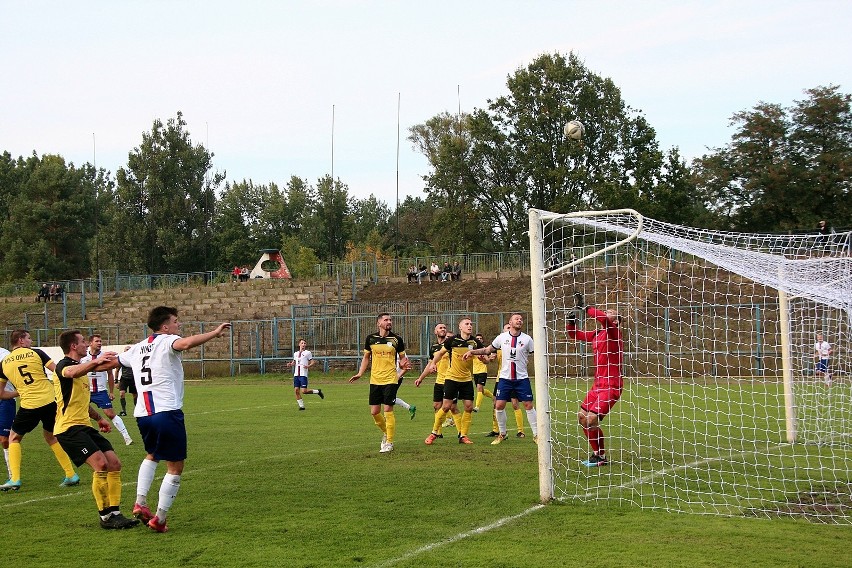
[68, 338]
[381, 315]
[94, 335]
[160, 315]
[17, 335]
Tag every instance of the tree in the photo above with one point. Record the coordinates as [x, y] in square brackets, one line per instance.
[785, 168]
[496, 163]
[164, 203]
[49, 225]
[330, 225]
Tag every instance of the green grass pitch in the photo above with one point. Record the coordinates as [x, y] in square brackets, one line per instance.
[267, 485]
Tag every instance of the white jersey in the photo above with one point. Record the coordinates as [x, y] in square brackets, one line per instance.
[157, 372]
[97, 379]
[516, 350]
[301, 360]
[823, 348]
[9, 386]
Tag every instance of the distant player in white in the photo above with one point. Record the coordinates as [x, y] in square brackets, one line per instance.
[514, 380]
[7, 416]
[158, 374]
[302, 361]
[822, 352]
[101, 386]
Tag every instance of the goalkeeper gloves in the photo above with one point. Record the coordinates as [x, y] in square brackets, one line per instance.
[572, 318]
[579, 303]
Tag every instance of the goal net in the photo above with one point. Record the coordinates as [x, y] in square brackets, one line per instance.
[725, 409]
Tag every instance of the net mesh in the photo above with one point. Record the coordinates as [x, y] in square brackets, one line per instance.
[703, 424]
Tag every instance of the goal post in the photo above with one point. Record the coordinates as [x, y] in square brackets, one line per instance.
[725, 409]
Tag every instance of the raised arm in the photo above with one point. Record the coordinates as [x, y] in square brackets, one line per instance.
[185, 343]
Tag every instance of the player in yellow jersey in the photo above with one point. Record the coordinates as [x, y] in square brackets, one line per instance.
[24, 368]
[441, 334]
[383, 350]
[74, 429]
[480, 377]
[459, 379]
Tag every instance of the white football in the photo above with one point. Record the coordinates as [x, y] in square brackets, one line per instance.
[574, 129]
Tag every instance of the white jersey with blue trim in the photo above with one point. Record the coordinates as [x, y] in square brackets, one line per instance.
[515, 351]
[97, 379]
[301, 360]
[157, 372]
[9, 386]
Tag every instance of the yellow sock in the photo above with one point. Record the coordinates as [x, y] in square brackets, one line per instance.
[467, 418]
[63, 459]
[459, 420]
[15, 460]
[519, 418]
[390, 425]
[439, 419]
[478, 399]
[494, 426]
[380, 422]
[114, 488]
[488, 393]
[100, 490]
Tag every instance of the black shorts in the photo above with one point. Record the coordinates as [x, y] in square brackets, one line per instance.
[480, 378]
[126, 383]
[28, 418]
[81, 442]
[438, 393]
[383, 394]
[455, 390]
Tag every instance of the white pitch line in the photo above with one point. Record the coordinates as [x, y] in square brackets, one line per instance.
[460, 536]
[499, 523]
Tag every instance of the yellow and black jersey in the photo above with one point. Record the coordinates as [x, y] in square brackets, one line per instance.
[460, 370]
[443, 364]
[72, 402]
[479, 366]
[383, 352]
[24, 368]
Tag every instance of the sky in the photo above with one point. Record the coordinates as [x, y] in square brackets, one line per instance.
[283, 88]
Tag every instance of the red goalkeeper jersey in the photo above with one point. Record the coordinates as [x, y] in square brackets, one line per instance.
[607, 347]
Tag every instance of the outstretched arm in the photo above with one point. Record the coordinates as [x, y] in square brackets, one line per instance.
[185, 343]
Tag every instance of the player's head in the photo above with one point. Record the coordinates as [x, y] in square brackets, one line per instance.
[516, 321]
[73, 343]
[480, 337]
[95, 342]
[466, 327]
[819, 337]
[20, 338]
[165, 319]
[613, 316]
[303, 344]
[384, 321]
[507, 327]
[441, 331]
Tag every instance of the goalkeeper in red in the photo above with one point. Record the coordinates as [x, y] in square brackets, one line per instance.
[608, 350]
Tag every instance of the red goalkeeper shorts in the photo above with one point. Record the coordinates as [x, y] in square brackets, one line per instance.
[601, 401]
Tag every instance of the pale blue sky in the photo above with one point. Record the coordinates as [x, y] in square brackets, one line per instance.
[257, 80]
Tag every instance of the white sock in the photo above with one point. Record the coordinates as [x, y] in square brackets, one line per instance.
[119, 425]
[301, 402]
[143, 482]
[168, 492]
[6, 456]
[402, 403]
[533, 420]
[501, 420]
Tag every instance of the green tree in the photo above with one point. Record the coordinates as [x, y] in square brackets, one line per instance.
[164, 203]
[495, 164]
[785, 168]
[49, 225]
[330, 225]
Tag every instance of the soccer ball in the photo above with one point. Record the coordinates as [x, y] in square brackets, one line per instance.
[574, 130]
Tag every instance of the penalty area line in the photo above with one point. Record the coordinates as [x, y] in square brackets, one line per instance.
[461, 536]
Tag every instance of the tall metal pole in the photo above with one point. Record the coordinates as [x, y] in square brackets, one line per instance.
[396, 244]
[332, 146]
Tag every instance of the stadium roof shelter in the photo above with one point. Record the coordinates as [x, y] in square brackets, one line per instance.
[270, 265]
